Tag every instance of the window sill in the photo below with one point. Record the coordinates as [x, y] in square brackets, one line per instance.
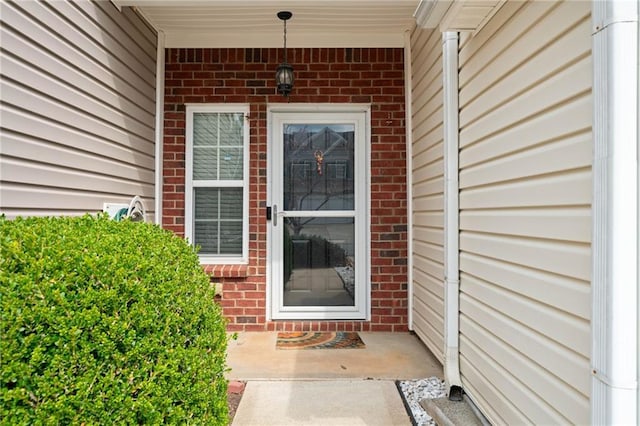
[227, 271]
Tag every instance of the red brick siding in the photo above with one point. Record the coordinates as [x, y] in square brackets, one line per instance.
[371, 76]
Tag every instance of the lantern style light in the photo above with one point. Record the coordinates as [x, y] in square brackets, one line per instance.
[284, 72]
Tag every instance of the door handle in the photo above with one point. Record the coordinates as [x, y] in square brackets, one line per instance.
[274, 217]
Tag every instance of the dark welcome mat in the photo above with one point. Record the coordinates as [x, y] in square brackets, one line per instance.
[319, 340]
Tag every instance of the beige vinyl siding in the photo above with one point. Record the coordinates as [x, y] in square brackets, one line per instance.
[78, 107]
[525, 213]
[428, 189]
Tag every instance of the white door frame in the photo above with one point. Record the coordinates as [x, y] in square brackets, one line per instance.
[274, 304]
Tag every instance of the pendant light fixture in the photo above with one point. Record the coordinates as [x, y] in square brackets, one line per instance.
[284, 72]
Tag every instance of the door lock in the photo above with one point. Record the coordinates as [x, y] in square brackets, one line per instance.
[272, 214]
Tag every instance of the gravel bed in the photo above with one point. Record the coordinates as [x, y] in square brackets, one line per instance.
[415, 391]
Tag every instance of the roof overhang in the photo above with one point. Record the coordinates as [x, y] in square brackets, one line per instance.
[253, 23]
[459, 15]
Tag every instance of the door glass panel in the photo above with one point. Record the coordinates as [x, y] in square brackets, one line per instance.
[318, 250]
[318, 167]
[319, 261]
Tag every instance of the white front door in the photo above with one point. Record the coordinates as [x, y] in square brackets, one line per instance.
[318, 212]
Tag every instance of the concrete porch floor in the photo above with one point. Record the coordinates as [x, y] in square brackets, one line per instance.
[326, 386]
[391, 356]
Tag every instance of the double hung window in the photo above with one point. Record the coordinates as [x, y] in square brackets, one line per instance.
[216, 190]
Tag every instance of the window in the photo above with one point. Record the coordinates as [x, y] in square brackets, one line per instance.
[217, 182]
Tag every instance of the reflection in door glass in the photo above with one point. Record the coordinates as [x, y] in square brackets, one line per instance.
[319, 266]
[318, 166]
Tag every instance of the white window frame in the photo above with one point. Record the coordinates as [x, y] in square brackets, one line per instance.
[208, 259]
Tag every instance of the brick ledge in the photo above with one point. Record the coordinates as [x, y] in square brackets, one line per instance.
[227, 271]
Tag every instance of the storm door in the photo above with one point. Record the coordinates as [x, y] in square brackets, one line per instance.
[318, 215]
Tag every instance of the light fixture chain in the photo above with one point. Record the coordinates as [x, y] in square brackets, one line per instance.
[285, 40]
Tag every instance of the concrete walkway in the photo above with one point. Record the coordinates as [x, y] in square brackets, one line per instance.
[326, 386]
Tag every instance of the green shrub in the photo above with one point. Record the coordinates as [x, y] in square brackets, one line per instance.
[107, 322]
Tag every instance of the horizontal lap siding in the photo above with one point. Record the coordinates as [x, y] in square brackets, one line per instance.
[78, 107]
[427, 190]
[525, 213]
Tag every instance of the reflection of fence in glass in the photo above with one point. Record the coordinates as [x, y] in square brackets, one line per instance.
[309, 252]
[313, 251]
[324, 233]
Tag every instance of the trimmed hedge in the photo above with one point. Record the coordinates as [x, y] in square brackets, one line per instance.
[107, 322]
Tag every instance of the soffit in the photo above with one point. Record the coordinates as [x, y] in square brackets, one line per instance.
[253, 23]
[459, 15]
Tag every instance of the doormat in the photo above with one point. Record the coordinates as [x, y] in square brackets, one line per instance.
[319, 340]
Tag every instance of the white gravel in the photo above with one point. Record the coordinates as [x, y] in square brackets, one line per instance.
[415, 391]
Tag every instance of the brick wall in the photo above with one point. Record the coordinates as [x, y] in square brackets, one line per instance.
[372, 76]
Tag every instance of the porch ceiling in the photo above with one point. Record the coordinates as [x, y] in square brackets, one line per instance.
[253, 23]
